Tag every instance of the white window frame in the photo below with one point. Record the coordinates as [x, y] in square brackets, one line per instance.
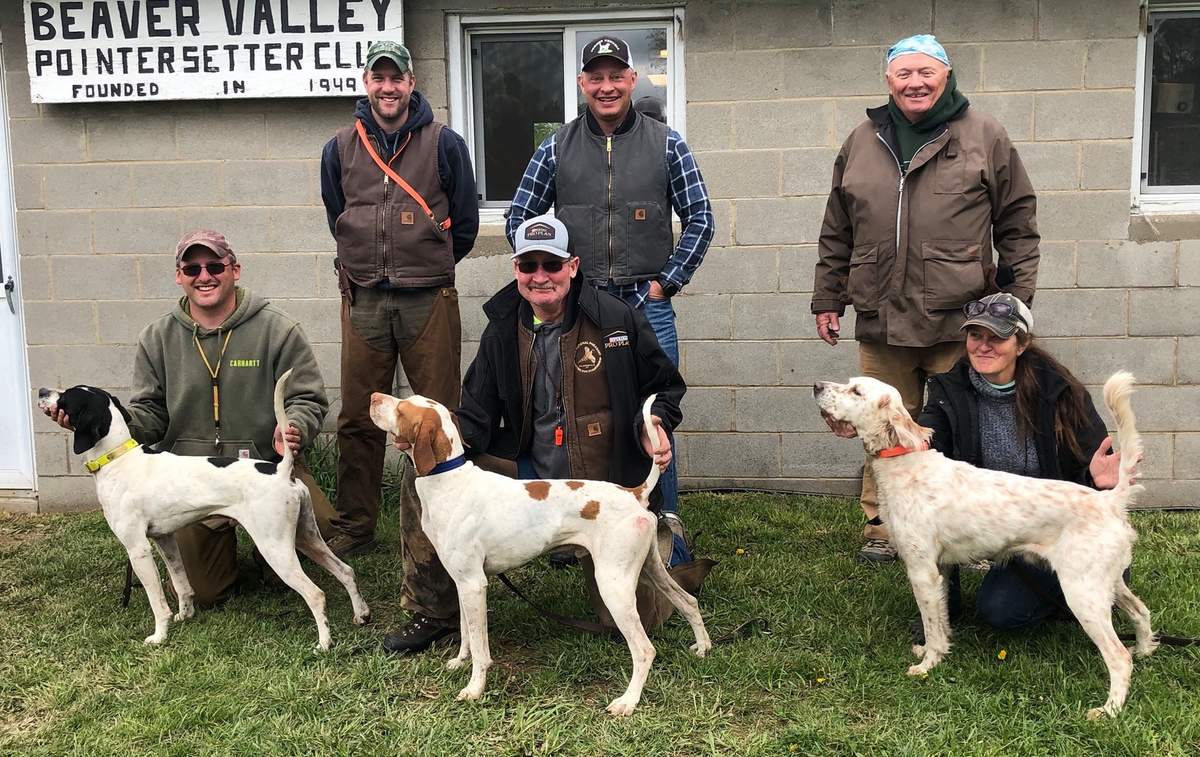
[1159, 199]
[458, 51]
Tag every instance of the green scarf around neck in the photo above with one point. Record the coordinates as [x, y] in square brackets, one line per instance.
[912, 137]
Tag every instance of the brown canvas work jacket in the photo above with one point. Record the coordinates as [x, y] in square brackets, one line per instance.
[907, 251]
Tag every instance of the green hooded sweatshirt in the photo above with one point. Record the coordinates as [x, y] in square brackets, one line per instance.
[172, 405]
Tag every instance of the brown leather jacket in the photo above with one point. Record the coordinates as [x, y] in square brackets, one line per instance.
[908, 252]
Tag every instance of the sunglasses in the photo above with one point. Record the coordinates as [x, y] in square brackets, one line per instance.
[1004, 310]
[214, 268]
[549, 266]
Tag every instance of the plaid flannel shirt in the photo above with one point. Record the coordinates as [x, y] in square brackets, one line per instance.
[689, 199]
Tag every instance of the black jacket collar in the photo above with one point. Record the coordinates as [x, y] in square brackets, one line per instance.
[508, 304]
[626, 126]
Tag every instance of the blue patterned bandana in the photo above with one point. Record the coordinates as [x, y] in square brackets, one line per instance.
[919, 43]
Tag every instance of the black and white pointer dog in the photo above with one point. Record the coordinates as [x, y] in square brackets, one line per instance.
[147, 495]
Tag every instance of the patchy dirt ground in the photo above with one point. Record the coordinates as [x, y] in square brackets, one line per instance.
[22, 529]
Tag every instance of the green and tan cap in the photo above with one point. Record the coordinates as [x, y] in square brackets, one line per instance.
[393, 51]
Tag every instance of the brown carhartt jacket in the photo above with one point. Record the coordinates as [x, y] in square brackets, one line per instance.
[908, 252]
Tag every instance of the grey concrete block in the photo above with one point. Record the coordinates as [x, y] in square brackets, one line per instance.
[1189, 263]
[833, 71]
[736, 269]
[796, 268]
[50, 453]
[291, 137]
[159, 185]
[1158, 453]
[1051, 165]
[1154, 227]
[1152, 361]
[156, 277]
[94, 277]
[300, 229]
[480, 277]
[122, 322]
[425, 33]
[702, 316]
[20, 104]
[474, 321]
[246, 229]
[728, 76]
[1014, 111]
[54, 232]
[34, 280]
[709, 127]
[821, 456]
[1111, 63]
[763, 408]
[88, 186]
[972, 20]
[852, 111]
[139, 137]
[780, 24]
[138, 231]
[277, 275]
[1164, 312]
[1101, 114]
[707, 410]
[1105, 165]
[272, 182]
[784, 123]
[223, 136]
[1189, 360]
[863, 22]
[771, 316]
[748, 455]
[327, 284]
[779, 221]
[60, 323]
[1056, 268]
[321, 319]
[47, 140]
[1020, 66]
[66, 494]
[431, 81]
[1064, 349]
[1083, 215]
[709, 26]
[742, 173]
[1087, 19]
[1187, 457]
[43, 367]
[1177, 493]
[100, 364]
[1167, 408]
[730, 363]
[808, 172]
[804, 362]
[329, 362]
[722, 222]
[27, 187]
[1080, 312]
[1126, 264]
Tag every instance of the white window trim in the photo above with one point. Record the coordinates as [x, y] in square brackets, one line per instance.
[458, 66]
[1161, 202]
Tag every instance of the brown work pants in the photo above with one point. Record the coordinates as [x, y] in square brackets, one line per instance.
[210, 552]
[907, 369]
[421, 328]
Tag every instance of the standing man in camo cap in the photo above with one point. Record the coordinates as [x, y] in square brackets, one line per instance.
[923, 191]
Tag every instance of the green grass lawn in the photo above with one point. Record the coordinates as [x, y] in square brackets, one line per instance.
[828, 679]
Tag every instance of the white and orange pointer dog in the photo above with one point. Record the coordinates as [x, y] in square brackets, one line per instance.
[482, 523]
[942, 512]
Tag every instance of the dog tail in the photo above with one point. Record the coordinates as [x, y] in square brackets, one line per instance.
[285, 467]
[1117, 391]
[648, 428]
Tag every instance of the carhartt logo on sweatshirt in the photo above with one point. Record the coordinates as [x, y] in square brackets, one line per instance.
[253, 363]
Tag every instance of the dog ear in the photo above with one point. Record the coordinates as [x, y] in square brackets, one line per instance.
[902, 430]
[429, 443]
[90, 427]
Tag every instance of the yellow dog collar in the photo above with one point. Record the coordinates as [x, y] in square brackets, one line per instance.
[108, 457]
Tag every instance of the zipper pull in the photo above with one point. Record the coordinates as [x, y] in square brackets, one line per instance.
[608, 144]
[386, 180]
[558, 436]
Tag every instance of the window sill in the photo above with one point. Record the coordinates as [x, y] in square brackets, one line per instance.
[1151, 224]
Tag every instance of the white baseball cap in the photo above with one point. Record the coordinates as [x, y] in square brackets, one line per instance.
[542, 234]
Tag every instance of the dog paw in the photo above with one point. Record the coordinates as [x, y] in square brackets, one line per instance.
[621, 706]
[323, 645]
[469, 693]
[918, 650]
[701, 648]
[1147, 650]
[1096, 713]
[362, 620]
[455, 663]
[919, 671]
[155, 638]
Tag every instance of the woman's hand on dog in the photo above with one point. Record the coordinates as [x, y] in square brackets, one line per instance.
[1106, 466]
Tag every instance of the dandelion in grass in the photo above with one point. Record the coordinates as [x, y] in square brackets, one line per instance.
[1002, 654]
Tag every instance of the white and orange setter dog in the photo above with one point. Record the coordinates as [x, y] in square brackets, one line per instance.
[942, 512]
[482, 523]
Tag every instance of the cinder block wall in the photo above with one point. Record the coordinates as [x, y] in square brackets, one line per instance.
[105, 191]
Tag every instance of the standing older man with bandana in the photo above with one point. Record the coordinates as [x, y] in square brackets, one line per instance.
[923, 190]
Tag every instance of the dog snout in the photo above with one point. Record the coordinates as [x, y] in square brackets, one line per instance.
[376, 398]
[44, 393]
[819, 387]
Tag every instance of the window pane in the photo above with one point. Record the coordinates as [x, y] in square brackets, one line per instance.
[649, 50]
[518, 101]
[1174, 134]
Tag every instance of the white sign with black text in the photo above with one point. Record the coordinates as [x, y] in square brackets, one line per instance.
[104, 50]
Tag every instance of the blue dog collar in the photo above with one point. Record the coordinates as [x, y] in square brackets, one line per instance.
[449, 465]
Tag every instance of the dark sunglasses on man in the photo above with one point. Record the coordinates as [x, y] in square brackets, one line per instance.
[214, 268]
[549, 266]
[995, 309]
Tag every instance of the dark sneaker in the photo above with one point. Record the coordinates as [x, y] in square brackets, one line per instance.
[563, 557]
[419, 634]
[877, 551]
[345, 545]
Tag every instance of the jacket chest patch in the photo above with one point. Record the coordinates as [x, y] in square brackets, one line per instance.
[406, 217]
[587, 357]
[616, 339]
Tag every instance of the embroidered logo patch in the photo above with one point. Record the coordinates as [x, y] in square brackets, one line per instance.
[539, 231]
[593, 429]
[406, 217]
[616, 339]
[243, 363]
[639, 214]
[587, 357]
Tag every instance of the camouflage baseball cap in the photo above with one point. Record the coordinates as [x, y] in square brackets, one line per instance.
[393, 51]
[204, 238]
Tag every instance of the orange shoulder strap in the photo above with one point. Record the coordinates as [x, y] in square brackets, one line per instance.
[362, 135]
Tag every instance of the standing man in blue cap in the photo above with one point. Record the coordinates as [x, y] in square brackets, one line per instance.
[613, 176]
[923, 191]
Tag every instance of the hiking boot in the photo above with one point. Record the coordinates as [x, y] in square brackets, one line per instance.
[877, 551]
[419, 634]
[344, 545]
[563, 557]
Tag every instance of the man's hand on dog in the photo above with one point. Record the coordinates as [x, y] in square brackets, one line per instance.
[58, 416]
[661, 455]
[293, 440]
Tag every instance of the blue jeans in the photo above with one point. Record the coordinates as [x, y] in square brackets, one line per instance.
[1009, 600]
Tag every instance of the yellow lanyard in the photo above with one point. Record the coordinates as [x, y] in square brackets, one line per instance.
[216, 392]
